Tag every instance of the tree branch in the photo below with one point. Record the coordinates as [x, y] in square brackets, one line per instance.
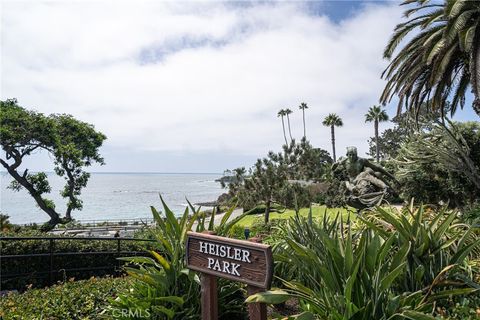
[31, 189]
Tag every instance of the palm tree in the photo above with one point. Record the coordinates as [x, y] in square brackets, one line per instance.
[376, 114]
[302, 107]
[287, 112]
[442, 59]
[281, 113]
[332, 121]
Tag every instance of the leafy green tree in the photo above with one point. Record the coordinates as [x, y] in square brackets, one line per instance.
[441, 60]
[391, 140]
[302, 161]
[287, 113]
[265, 183]
[234, 182]
[72, 144]
[406, 124]
[332, 121]
[376, 114]
[302, 107]
[274, 178]
[282, 114]
[389, 143]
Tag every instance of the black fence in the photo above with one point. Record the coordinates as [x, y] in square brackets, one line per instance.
[44, 265]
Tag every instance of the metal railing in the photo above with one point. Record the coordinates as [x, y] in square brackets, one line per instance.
[107, 222]
[52, 272]
[119, 222]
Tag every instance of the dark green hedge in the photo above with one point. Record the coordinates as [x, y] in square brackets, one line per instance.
[34, 266]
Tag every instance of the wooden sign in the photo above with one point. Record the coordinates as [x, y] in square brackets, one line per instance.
[233, 259]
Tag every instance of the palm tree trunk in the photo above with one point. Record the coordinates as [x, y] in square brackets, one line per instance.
[376, 140]
[289, 131]
[284, 134]
[475, 74]
[332, 128]
[304, 129]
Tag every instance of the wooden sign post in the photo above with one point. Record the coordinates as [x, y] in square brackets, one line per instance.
[232, 259]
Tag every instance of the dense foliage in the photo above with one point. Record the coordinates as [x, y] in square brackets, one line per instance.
[280, 178]
[441, 164]
[71, 143]
[32, 266]
[163, 287]
[389, 265]
[440, 60]
[71, 300]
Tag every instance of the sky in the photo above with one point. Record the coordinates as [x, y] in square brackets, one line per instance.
[196, 86]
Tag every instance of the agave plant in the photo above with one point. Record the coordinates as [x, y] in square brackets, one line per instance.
[341, 275]
[440, 245]
[164, 287]
[372, 272]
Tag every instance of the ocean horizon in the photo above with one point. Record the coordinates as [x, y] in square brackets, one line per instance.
[115, 195]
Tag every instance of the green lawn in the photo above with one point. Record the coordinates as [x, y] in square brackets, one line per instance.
[317, 213]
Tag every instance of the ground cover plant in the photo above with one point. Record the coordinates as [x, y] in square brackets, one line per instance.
[72, 300]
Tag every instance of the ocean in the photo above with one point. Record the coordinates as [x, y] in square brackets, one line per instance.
[114, 195]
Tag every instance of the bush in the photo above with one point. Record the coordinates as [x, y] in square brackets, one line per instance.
[441, 164]
[258, 229]
[471, 214]
[33, 266]
[460, 308]
[5, 224]
[70, 300]
[163, 287]
[387, 265]
[439, 244]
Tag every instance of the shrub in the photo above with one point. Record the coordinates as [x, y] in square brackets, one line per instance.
[388, 265]
[439, 244]
[258, 229]
[33, 266]
[5, 224]
[441, 164]
[163, 287]
[460, 308]
[471, 214]
[70, 300]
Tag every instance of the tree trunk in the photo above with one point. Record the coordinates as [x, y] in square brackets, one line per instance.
[54, 217]
[289, 131]
[267, 212]
[475, 73]
[47, 226]
[332, 128]
[376, 140]
[284, 134]
[304, 128]
[71, 186]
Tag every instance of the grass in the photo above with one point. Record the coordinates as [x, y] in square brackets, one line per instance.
[317, 213]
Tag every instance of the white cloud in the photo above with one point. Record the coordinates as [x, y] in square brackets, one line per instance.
[122, 67]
